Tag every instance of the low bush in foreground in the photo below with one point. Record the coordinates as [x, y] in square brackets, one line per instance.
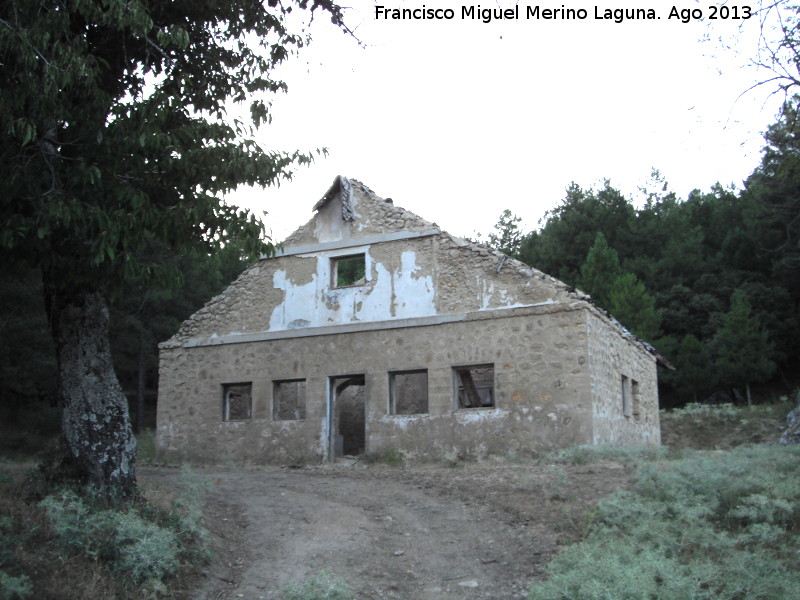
[69, 545]
[322, 586]
[715, 526]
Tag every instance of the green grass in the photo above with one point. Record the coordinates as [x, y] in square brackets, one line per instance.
[391, 457]
[324, 585]
[583, 455]
[713, 526]
[146, 447]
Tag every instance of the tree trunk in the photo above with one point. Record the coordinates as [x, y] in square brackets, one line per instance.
[95, 421]
[749, 397]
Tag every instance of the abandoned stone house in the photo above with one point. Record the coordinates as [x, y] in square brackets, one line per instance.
[373, 330]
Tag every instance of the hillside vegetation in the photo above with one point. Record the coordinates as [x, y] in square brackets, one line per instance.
[720, 522]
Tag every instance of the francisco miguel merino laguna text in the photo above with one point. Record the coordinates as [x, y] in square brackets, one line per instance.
[618, 15]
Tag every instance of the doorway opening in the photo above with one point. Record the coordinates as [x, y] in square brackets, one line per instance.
[347, 416]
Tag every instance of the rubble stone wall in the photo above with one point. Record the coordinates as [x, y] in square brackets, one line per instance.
[544, 390]
[427, 300]
[610, 358]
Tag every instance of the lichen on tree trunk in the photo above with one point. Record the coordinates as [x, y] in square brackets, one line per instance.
[95, 422]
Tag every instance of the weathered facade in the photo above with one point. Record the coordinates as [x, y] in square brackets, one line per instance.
[374, 330]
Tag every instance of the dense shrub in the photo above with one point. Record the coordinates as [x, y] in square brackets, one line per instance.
[718, 526]
[141, 544]
[139, 551]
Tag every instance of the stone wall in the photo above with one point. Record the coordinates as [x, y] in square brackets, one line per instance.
[546, 389]
[426, 301]
[408, 278]
[624, 387]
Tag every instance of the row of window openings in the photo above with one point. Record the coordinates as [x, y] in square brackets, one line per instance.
[473, 387]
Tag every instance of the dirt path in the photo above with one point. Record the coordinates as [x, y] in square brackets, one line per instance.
[477, 531]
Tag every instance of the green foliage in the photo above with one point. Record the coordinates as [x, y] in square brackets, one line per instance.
[713, 527]
[695, 411]
[599, 271]
[676, 262]
[146, 313]
[186, 515]
[27, 356]
[350, 271]
[324, 585]
[137, 550]
[583, 455]
[507, 237]
[619, 292]
[773, 185]
[742, 346]
[570, 230]
[630, 303]
[15, 588]
[115, 148]
[116, 131]
[12, 587]
[390, 456]
[146, 447]
[694, 376]
[141, 545]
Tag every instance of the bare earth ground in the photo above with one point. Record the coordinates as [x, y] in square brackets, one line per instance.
[422, 532]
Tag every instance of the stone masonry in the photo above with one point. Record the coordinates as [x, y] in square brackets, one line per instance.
[374, 330]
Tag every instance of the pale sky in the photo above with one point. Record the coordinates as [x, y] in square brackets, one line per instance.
[456, 120]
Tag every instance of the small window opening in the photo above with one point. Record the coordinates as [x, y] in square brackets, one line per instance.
[408, 392]
[237, 401]
[289, 400]
[349, 270]
[474, 386]
[627, 405]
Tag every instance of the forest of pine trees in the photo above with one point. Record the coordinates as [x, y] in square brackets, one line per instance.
[711, 280]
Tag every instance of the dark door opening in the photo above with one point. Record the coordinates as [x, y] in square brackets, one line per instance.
[347, 416]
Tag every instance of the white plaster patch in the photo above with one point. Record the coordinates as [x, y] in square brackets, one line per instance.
[476, 416]
[402, 421]
[401, 294]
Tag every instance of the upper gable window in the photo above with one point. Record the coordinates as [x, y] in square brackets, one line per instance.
[348, 270]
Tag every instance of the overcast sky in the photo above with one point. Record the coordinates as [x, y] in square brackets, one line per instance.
[458, 119]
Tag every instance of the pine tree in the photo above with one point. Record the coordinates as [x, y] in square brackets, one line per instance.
[599, 271]
[694, 374]
[634, 307]
[507, 236]
[742, 347]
